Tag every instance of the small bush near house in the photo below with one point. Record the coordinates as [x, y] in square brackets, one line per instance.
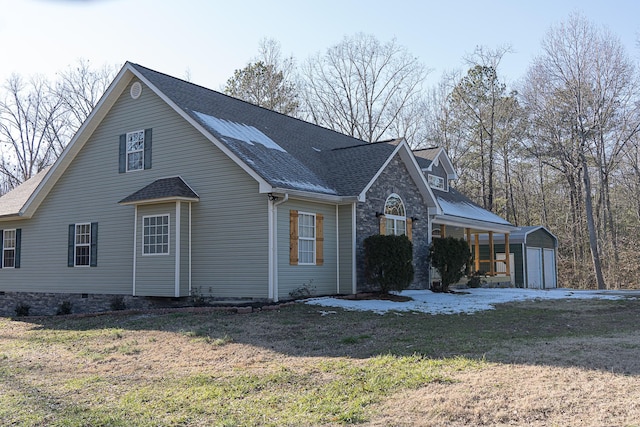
[389, 262]
[65, 308]
[22, 309]
[450, 257]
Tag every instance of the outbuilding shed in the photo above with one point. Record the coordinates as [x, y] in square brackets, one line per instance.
[532, 257]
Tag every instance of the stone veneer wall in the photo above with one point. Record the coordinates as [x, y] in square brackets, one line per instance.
[394, 179]
[48, 304]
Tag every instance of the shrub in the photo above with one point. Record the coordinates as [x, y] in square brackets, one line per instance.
[65, 308]
[450, 256]
[22, 309]
[389, 262]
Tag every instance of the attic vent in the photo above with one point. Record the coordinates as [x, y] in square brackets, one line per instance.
[136, 90]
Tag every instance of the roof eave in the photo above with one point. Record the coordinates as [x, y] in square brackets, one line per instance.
[473, 223]
[316, 197]
[160, 200]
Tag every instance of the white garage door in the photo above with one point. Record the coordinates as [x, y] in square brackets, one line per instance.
[549, 269]
[534, 268]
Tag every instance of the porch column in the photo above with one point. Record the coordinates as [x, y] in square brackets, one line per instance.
[443, 231]
[477, 251]
[467, 231]
[506, 255]
[492, 260]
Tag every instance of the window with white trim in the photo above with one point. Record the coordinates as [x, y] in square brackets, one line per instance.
[436, 182]
[9, 249]
[155, 235]
[135, 150]
[306, 238]
[82, 244]
[395, 216]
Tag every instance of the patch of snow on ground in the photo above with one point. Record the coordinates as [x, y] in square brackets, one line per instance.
[471, 301]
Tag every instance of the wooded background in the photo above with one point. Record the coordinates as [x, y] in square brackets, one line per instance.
[559, 147]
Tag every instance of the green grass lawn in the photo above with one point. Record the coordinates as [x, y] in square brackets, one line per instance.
[294, 366]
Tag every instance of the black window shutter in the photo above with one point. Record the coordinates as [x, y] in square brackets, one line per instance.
[1, 248]
[147, 148]
[16, 263]
[93, 257]
[123, 154]
[71, 255]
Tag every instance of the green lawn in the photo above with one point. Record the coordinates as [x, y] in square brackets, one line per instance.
[294, 366]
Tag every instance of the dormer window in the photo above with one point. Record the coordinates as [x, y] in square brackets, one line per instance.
[436, 182]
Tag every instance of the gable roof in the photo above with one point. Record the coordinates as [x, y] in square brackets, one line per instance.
[283, 154]
[433, 156]
[164, 189]
[13, 202]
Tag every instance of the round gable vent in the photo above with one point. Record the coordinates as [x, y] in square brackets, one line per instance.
[136, 90]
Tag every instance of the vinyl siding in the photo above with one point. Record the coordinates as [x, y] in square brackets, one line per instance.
[323, 277]
[230, 230]
[155, 274]
[346, 248]
[540, 239]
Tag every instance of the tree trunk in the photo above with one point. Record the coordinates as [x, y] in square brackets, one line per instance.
[593, 241]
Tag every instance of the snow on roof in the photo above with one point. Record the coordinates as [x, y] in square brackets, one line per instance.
[468, 301]
[464, 209]
[238, 131]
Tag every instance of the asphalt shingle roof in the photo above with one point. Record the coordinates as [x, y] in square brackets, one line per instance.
[164, 188]
[286, 152]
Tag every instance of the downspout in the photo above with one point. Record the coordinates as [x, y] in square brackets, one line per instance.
[354, 276]
[337, 252]
[190, 248]
[177, 252]
[273, 247]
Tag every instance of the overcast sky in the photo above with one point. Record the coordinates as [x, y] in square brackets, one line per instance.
[210, 39]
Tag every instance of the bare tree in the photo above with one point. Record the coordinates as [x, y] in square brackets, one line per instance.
[30, 119]
[80, 87]
[582, 95]
[363, 88]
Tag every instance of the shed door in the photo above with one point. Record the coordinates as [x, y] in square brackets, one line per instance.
[549, 269]
[534, 268]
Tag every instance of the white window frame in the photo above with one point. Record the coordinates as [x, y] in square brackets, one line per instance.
[307, 239]
[139, 134]
[146, 246]
[436, 182]
[6, 248]
[393, 220]
[86, 244]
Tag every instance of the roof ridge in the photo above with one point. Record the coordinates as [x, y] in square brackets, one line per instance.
[362, 145]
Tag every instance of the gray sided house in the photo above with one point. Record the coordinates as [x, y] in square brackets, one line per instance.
[170, 189]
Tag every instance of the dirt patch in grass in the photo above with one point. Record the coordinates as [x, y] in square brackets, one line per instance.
[532, 363]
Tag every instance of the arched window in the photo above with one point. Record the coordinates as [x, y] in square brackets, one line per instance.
[395, 215]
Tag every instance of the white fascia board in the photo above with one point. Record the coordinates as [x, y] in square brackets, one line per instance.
[265, 187]
[78, 141]
[313, 197]
[471, 223]
[414, 170]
